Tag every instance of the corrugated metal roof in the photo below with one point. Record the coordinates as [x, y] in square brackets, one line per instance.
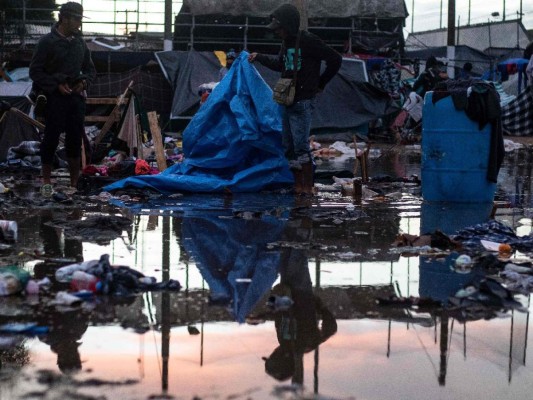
[480, 36]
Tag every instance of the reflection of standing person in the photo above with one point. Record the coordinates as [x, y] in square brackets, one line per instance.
[230, 58]
[66, 329]
[62, 69]
[297, 329]
[285, 22]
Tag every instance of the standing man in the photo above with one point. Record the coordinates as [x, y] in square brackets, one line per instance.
[285, 22]
[61, 70]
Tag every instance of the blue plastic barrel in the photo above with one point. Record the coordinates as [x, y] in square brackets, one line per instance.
[455, 155]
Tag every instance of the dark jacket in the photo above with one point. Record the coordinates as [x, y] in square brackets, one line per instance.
[312, 51]
[58, 59]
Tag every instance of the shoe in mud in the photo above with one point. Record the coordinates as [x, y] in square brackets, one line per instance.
[47, 190]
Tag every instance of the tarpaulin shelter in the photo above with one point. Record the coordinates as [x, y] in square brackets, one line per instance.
[517, 115]
[13, 128]
[16, 94]
[347, 103]
[513, 66]
[233, 143]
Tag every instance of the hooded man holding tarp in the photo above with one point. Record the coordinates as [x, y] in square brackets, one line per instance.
[299, 59]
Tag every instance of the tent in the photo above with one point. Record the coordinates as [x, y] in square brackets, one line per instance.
[13, 128]
[348, 102]
[16, 94]
[233, 143]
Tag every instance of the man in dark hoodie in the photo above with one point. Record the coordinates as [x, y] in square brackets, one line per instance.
[285, 22]
[61, 70]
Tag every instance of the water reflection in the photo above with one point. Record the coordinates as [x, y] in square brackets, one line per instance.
[232, 257]
[230, 252]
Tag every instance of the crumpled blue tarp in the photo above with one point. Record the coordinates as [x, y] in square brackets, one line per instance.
[232, 143]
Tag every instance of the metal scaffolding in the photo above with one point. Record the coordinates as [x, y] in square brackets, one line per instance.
[122, 20]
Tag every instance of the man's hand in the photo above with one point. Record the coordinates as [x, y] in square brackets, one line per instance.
[79, 87]
[65, 89]
[251, 57]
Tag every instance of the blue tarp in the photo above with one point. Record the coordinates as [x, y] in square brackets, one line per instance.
[233, 143]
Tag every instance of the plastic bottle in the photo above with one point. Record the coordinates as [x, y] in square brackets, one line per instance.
[8, 230]
[83, 281]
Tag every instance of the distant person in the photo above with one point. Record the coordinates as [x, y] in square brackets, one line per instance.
[62, 70]
[285, 22]
[230, 57]
[428, 79]
[466, 71]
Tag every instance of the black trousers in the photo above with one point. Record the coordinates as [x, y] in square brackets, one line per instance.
[64, 113]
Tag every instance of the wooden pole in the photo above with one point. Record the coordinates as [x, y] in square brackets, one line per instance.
[158, 141]
[302, 6]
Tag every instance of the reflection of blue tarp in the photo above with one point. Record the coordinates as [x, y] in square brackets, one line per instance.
[232, 143]
[191, 205]
[229, 252]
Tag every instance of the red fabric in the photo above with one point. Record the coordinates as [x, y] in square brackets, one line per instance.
[142, 168]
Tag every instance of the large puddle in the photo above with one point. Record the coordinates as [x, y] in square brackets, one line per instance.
[218, 339]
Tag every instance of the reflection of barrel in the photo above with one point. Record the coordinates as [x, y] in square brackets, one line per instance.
[438, 280]
[451, 217]
[455, 155]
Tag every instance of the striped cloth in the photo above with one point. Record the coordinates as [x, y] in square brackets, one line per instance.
[517, 116]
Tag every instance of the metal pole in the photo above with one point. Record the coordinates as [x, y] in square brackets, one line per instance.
[23, 24]
[469, 9]
[440, 23]
[503, 10]
[451, 23]
[165, 305]
[167, 42]
[413, 15]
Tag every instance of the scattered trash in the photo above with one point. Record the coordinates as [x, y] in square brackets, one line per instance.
[13, 280]
[66, 299]
[463, 264]
[8, 231]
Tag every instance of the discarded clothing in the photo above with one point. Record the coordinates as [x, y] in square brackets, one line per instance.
[493, 231]
[124, 281]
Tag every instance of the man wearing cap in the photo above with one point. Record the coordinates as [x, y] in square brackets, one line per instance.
[285, 22]
[61, 70]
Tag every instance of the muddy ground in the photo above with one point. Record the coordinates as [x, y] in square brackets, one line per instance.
[374, 316]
